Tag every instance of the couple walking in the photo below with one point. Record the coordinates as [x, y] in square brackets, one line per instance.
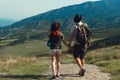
[79, 48]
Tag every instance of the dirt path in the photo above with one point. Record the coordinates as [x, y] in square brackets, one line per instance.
[70, 71]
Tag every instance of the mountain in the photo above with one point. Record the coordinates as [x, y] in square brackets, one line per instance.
[110, 41]
[6, 22]
[98, 14]
[104, 8]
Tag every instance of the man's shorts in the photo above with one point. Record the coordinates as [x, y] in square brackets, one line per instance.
[55, 51]
[79, 51]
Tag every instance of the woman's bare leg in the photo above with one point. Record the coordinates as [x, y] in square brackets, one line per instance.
[53, 61]
[58, 63]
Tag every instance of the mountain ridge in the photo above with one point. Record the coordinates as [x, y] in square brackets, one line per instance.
[98, 14]
[86, 9]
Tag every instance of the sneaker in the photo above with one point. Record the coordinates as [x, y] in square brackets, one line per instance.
[53, 78]
[82, 72]
[58, 75]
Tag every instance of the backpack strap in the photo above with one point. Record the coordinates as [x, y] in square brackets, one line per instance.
[82, 30]
[88, 34]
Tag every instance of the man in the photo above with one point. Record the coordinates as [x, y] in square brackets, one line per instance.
[79, 49]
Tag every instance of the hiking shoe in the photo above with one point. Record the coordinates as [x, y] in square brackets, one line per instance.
[53, 78]
[82, 72]
[58, 75]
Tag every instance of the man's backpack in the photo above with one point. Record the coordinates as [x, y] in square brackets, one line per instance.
[83, 34]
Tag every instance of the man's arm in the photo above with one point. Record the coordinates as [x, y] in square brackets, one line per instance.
[71, 38]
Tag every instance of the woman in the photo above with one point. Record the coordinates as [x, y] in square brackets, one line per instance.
[55, 37]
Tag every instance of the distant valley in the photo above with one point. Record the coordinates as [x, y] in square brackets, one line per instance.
[5, 22]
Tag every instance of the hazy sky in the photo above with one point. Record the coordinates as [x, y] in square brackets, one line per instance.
[19, 9]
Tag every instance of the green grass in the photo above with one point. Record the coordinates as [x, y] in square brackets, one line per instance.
[20, 68]
[103, 32]
[66, 57]
[31, 59]
[24, 61]
[5, 42]
[27, 61]
[28, 48]
[112, 66]
[108, 59]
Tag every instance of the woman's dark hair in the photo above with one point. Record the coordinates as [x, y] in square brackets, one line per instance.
[55, 28]
[77, 18]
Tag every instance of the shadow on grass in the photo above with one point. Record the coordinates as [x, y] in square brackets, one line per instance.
[38, 77]
[25, 76]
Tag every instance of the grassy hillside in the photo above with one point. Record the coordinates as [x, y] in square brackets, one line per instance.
[108, 59]
[105, 52]
[106, 42]
[29, 60]
[24, 61]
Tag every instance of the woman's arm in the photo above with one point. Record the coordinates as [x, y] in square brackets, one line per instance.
[65, 43]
